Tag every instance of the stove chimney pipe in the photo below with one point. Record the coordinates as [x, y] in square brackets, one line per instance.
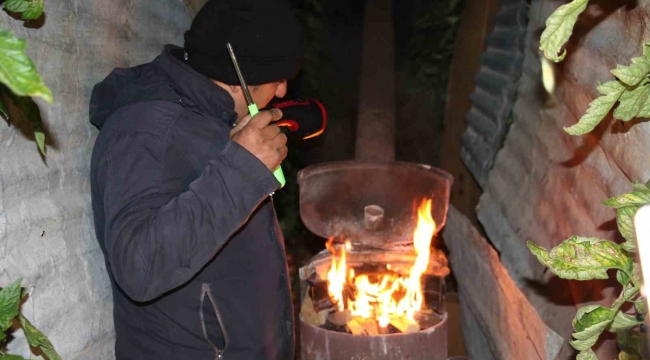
[376, 122]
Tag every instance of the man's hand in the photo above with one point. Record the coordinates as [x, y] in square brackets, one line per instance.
[262, 139]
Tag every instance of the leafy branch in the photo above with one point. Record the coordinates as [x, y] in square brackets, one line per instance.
[630, 89]
[10, 298]
[18, 72]
[583, 258]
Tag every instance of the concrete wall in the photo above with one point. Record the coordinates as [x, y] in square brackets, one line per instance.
[46, 226]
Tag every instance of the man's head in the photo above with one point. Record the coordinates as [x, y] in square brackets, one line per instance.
[266, 37]
[262, 94]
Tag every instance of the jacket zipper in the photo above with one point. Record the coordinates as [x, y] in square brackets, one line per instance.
[220, 352]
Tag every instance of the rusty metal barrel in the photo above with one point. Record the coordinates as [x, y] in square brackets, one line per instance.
[321, 344]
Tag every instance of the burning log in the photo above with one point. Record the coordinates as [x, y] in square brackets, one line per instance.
[404, 324]
[320, 296]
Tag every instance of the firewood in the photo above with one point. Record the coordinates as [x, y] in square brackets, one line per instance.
[404, 324]
[355, 327]
[360, 326]
[340, 318]
[320, 295]
[308, 313]
[369, 325]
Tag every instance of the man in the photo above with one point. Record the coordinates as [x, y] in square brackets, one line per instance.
[182, 199]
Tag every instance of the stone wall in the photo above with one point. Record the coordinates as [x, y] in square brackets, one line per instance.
[547, 185]
[46, 226]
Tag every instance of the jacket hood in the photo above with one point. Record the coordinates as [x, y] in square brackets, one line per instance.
[166, 78]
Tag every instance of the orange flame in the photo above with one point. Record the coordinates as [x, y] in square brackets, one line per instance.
[336, 275]
[391, 295]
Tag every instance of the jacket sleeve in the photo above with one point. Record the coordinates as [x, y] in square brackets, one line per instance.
[158, 232]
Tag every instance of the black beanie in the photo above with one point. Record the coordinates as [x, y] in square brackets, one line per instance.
[264, 34]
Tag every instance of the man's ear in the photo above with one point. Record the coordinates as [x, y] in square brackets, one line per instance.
[281, 90]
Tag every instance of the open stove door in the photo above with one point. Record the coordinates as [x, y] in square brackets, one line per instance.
[333, 197]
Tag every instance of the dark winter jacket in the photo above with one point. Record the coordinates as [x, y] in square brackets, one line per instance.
[185, 221]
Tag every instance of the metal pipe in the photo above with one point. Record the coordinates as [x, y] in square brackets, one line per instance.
[376, 121]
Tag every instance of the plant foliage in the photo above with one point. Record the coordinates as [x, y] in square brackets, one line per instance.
[30, 9]
[630, 89]
[17, 70]
[20, 79]
[583, 258]
[559, 27]
[10, 298]
[18, 74]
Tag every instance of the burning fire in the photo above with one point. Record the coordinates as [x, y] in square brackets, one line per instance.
[389, 296]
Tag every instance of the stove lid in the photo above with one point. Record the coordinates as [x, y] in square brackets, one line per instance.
[348, 197]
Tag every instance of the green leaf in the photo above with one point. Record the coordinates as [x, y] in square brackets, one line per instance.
[632, 102]
[582, 258]
[37, 339]
[633, 74]
[629, 292]
[11, 357]
[623, 321]
[9, 302]
[639, 186]
[625, 356]
[598, 108]
[589, 324]
[18, 71]
[30, 9]
[645, 110]
[588, 337]
[630, 341]
[632, 198]
[591, 315]
[640, 305]
[559, 27]
[40, 140]
[622, 277]
[625, 223]
[587, 355]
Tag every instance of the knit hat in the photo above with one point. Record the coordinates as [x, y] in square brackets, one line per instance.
[264, 34]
